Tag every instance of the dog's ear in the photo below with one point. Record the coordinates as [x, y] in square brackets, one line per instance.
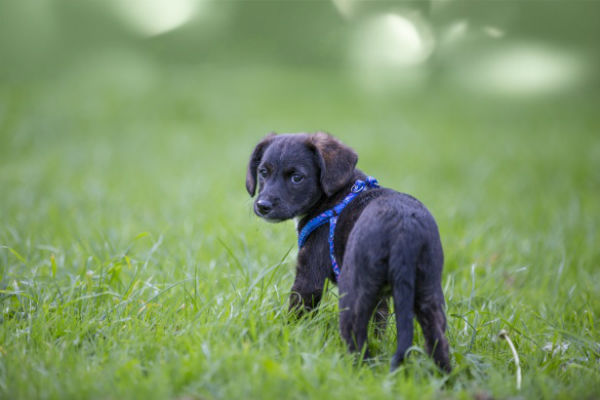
[336, 160]
[255, 160]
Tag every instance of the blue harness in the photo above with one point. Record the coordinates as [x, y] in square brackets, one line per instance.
[330, 216]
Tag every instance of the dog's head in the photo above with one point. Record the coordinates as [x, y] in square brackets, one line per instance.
[296, 171]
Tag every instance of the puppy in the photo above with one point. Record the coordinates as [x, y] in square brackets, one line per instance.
[373, 242]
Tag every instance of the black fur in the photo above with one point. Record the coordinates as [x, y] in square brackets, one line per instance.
[388, 242]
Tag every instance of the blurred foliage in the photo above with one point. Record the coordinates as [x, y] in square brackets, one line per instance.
[39, 39]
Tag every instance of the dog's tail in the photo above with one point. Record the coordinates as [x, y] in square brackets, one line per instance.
[402, 274]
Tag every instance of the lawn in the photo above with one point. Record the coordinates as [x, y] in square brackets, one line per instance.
[132, 266]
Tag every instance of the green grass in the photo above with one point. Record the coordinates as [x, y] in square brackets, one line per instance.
[131, 264]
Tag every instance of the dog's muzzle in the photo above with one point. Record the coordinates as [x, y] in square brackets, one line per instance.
[263, 207]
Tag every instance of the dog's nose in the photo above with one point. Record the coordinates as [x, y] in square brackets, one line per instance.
[264, 206]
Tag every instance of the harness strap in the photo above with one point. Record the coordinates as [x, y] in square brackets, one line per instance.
[330, 216]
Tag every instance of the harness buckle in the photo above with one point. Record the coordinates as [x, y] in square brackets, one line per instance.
[358, 187]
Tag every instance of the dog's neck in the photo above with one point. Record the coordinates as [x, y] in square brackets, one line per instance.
[328, 202]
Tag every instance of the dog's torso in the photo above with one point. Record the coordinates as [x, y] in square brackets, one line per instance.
[379, 218]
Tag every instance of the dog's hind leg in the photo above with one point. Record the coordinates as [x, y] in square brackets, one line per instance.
[429, 305]
[359, 295]
[354, 321]
[432, 319]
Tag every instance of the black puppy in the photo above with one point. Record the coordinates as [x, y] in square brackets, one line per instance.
[385, 242]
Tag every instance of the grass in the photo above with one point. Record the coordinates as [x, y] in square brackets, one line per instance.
[131, 265]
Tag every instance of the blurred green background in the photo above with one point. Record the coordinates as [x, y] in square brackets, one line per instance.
[127, 237]
[527, 47]
[182, 81]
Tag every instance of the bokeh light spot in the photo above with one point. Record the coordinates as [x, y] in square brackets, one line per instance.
[154, 17]
[390, 50]
[394, 39]
[493, 32]
[523, 69]
[346, 8]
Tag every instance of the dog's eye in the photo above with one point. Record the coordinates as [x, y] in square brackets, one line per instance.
[263, 172]
[297, 178]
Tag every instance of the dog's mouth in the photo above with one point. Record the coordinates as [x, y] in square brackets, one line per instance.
[271, 217]
[272, 220]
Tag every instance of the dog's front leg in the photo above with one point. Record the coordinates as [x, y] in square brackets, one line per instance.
[304, 300]
[311, 273]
